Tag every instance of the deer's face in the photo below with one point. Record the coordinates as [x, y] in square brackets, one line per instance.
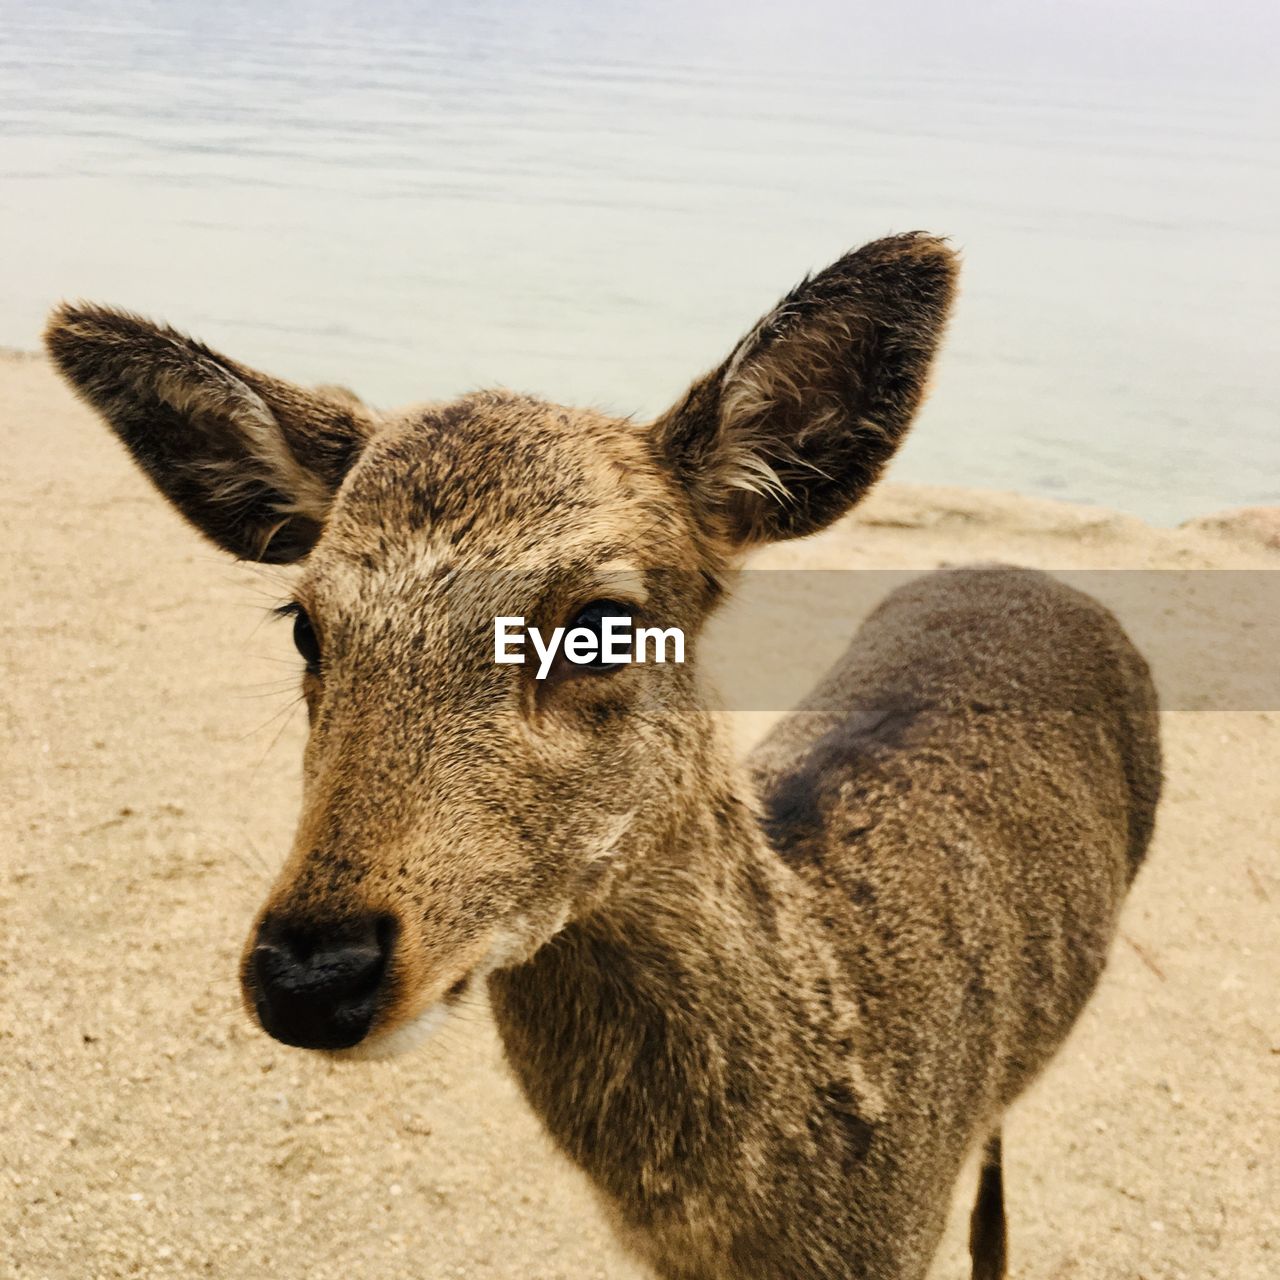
[457, 811]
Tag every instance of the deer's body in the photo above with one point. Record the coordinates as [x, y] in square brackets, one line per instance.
[768, 1010]
[796, 1030]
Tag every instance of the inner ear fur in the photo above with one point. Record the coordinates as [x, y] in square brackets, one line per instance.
[252, 461]
[797, 424]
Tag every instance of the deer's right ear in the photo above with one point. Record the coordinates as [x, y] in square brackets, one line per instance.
[253, 462]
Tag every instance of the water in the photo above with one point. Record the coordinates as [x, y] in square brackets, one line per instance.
[592, 201]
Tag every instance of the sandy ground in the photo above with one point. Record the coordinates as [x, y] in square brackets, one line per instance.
[149, 779]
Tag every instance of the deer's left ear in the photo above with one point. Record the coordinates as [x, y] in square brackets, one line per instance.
[793, 429]
[252, 461]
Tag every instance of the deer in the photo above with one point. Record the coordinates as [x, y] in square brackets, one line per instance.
[772, 1006]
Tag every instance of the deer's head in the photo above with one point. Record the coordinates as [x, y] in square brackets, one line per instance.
[457, 812]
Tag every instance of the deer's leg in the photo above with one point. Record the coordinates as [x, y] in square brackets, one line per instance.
[988, 1237]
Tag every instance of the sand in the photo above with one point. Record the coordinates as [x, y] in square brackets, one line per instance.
[149, 781]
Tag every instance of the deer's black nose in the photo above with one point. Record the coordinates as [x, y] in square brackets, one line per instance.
[315, 984]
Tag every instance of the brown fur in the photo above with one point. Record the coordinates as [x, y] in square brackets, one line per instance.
[770, 1009]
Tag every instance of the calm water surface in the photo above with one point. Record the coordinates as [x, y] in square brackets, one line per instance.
[592, 201]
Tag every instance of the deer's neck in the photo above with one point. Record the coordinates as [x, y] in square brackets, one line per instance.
[645, 1032]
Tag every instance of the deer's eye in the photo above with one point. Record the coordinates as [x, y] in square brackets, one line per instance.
[609, 623]
[305, 640]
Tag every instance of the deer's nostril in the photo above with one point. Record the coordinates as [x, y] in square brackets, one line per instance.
[317, 983]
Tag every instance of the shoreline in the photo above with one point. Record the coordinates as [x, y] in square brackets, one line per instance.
[1251, 524]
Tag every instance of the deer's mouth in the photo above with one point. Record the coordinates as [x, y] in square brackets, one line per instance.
[390, 1041]
[367, 985]
[396, 1040]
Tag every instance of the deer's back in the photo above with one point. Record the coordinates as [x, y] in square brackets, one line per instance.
[968, 795]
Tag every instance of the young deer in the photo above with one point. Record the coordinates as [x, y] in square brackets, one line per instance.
[770, 1009]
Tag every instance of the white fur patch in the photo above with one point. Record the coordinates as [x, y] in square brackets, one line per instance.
[401, 1040]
